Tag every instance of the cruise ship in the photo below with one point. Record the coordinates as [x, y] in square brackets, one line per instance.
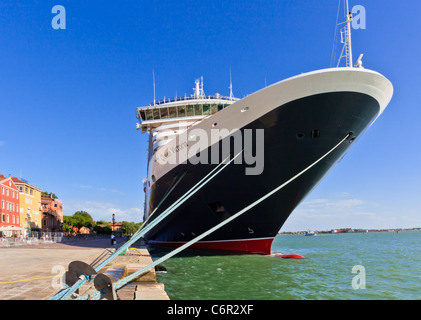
[266, 152]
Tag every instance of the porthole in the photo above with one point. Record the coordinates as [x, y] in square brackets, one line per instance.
[244, 109]
[215, 124]
[300, 135]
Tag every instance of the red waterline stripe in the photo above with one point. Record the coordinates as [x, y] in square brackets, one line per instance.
[259, 246]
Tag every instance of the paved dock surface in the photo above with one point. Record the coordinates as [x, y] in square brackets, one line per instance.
[32, 272]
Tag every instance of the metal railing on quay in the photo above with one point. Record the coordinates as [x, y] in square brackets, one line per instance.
[39, 237]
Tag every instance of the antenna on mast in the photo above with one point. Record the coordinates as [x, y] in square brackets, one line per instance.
[153, 74]
[202, 92]
[230, 87]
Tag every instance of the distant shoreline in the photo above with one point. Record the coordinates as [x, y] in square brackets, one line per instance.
[350, 230]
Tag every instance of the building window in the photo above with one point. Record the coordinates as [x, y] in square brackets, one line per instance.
[2, 204]
[7, 218]
[2, 190]
[7, 192]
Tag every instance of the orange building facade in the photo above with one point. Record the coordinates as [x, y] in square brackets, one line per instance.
[52, 214]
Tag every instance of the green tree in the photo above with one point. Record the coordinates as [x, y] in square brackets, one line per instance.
[102, 229]
[130, 227]
[78, 220]
[83, 214]
[67, 223]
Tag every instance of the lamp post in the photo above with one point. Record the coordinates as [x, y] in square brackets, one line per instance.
[112, 233]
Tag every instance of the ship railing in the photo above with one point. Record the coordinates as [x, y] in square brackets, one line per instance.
[192, 97]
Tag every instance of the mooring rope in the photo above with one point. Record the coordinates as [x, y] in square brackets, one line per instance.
[122, 282]
[68, 291]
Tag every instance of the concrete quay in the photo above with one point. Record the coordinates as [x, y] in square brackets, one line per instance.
[34, 272]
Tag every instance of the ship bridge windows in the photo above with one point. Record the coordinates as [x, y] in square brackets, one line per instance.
[142, 115]
[198, 110]
[164, 113]
[213, 108]
[206, 109]
[173, 112]
[190, 111]
[149, 114]
[180, 111]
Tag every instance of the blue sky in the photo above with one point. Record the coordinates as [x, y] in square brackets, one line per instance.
[68, 97]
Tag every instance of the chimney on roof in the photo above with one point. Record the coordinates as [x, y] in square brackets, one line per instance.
[10, 175]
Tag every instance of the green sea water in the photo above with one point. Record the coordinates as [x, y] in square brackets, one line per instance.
[388, 264]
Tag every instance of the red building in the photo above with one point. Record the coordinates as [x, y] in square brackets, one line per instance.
[52, 214]
[9, 199]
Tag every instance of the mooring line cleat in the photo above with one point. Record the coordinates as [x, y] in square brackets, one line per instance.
[104, 284]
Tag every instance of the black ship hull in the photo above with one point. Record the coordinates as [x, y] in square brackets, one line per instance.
[296, 134]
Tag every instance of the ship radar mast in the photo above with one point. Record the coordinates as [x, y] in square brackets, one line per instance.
[230, 87]
[198, 89]
[153, 75]
[346, 38]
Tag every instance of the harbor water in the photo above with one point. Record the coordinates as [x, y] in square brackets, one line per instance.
[346, 266]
